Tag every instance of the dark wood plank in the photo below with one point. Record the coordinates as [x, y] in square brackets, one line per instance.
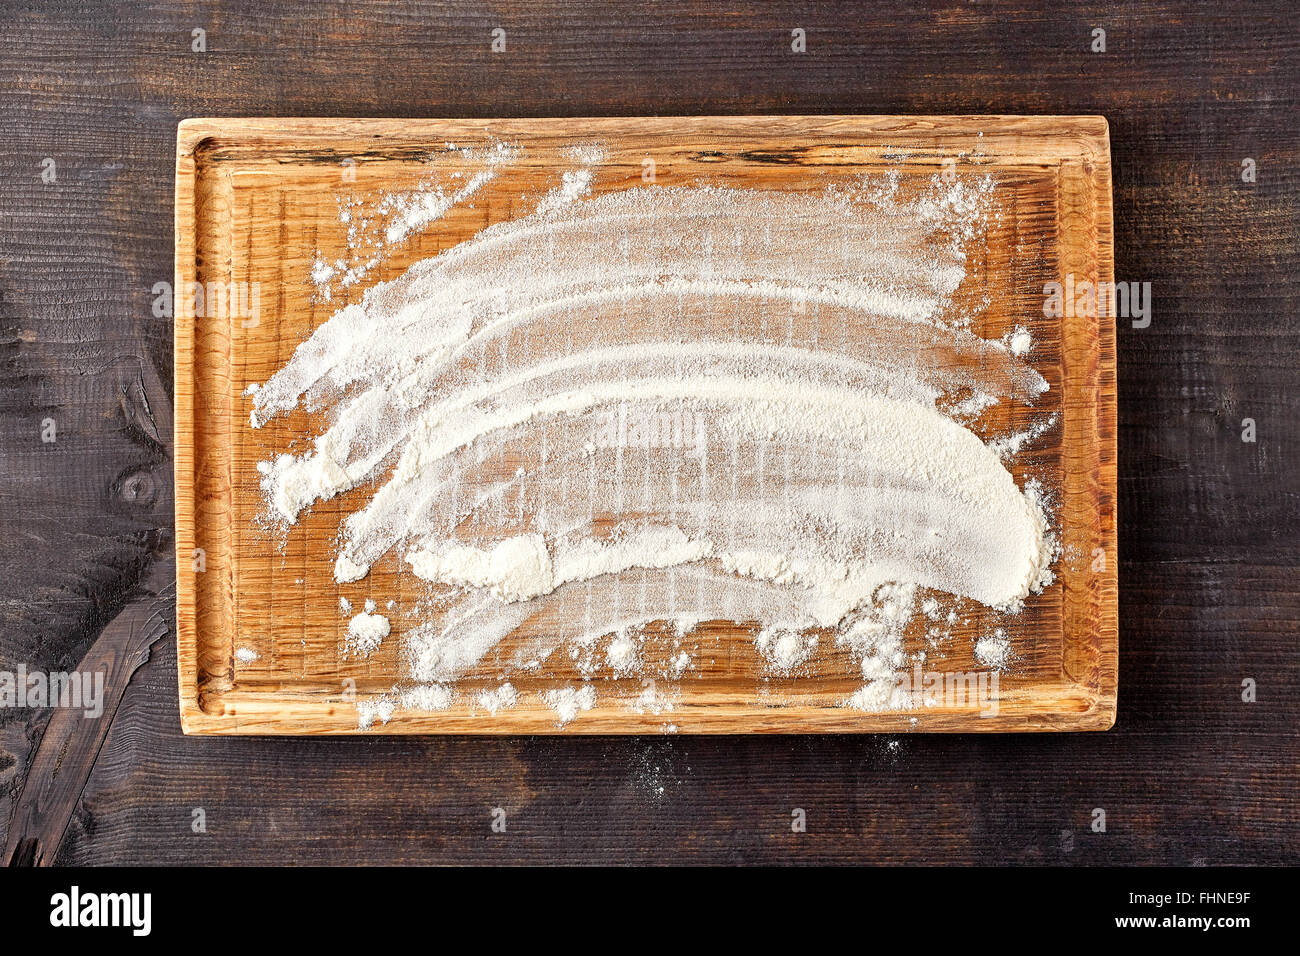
[71, 741]
[1209, 540]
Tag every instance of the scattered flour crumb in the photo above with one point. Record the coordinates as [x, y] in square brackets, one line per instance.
[880, 694]
[1010, 445]
[371, 709]
[974, 405]
[346, 570]
[366, 632]
[427, 697]
[1019, 341]
[650, 701]
[503, 698]
[622, 654]
[995, 650]
[784, 649]
[679, 664]
[573, 185]
[568, 702]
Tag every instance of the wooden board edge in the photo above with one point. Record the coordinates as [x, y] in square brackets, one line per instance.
[1068, 707]
[317, 722]
[1108, 413]
[1102, 683]
[189, 134]
[1085, 135]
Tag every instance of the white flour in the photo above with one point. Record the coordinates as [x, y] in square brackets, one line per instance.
[366, 631]
[651, 700]
[370, 709]
[696, 427]
[1019, 341]
[502, 698]
[371, 234]
[785, 648]
[574, 183]
[427, 697]
[520, 568]
[569, 702]
[1010, 446]
[994, 650]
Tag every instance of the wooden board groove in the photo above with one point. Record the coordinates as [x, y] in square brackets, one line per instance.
[1069, 685]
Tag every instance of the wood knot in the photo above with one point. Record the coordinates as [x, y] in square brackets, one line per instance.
[138, 488]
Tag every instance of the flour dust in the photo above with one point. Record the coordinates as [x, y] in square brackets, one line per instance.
[629, 412]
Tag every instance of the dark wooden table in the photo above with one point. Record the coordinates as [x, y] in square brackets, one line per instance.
[1210, 524]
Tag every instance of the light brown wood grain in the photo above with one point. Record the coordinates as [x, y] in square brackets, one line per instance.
[255, 198]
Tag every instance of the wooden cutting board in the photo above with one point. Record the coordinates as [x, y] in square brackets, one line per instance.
[257, 203]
